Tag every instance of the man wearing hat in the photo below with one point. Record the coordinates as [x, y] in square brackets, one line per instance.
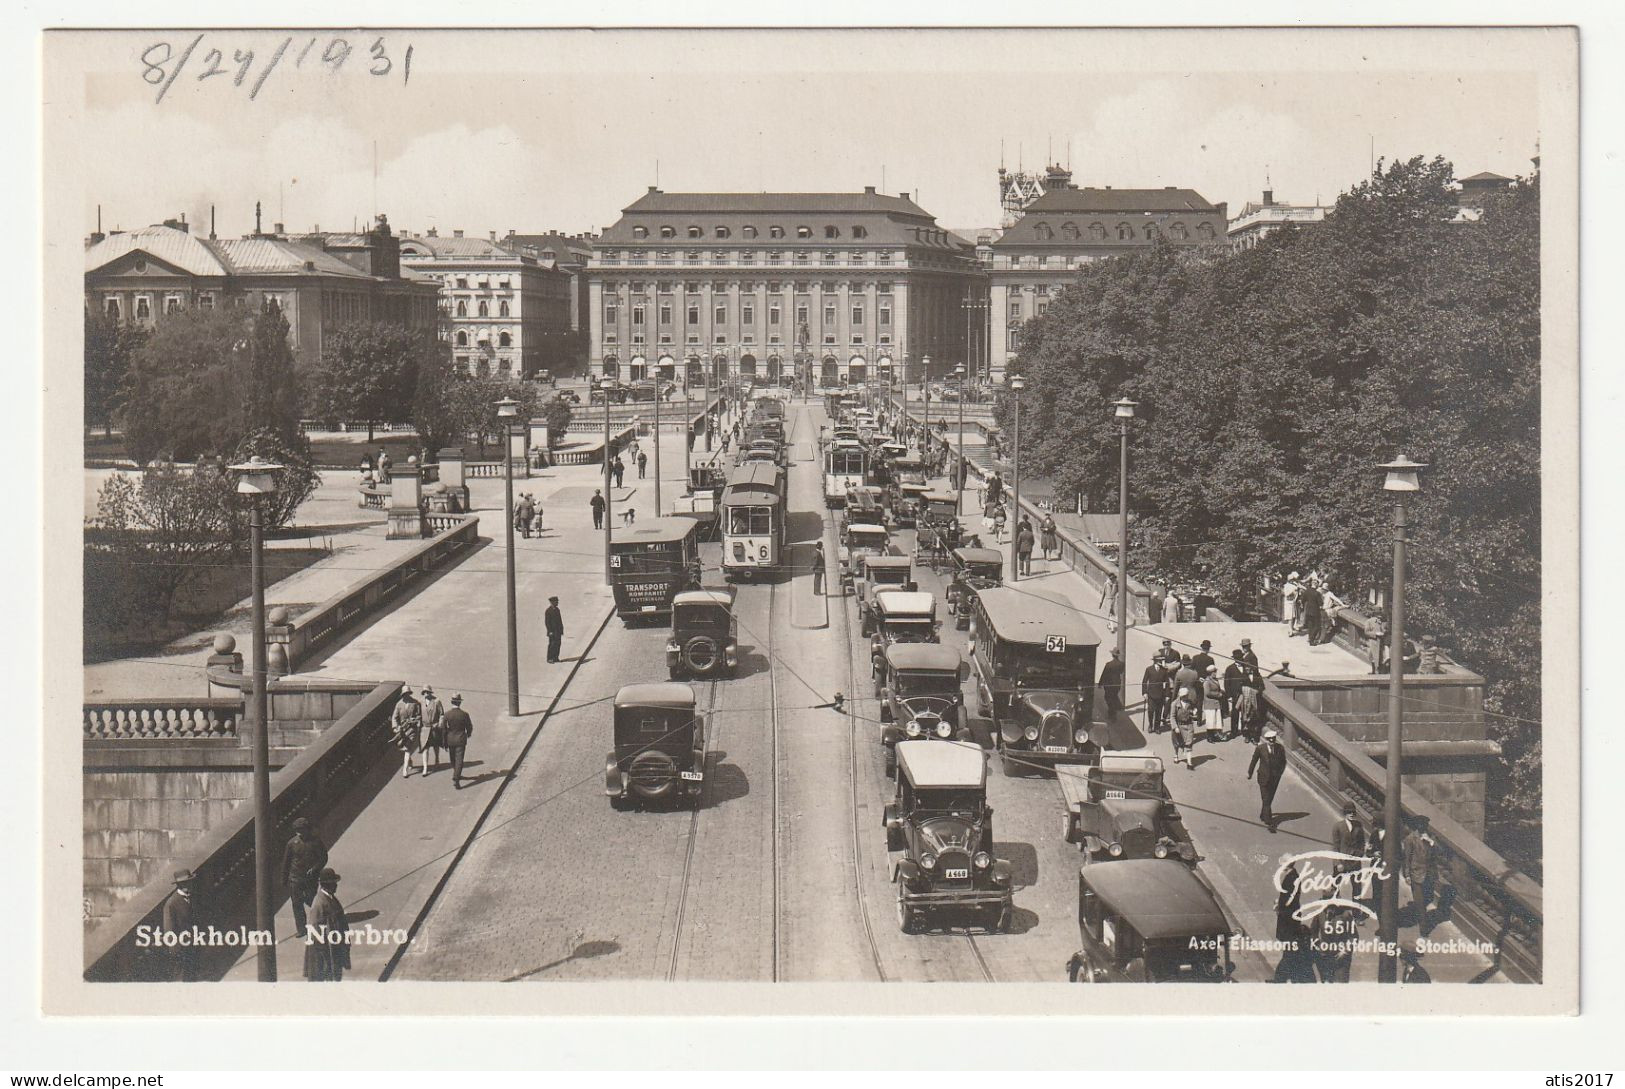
[302, 862]
[555, 628]
[1112, 682]
[1348, 838]
[178, 918]
[1168, 655]
[1154, 687]
[327, 944]
[1203, 658]
[459, 728]
[1247, 654]
[434, 724]
[1269, 760]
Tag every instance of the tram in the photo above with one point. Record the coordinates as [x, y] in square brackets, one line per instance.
[846, 466]
[753, 516]
[651, 562]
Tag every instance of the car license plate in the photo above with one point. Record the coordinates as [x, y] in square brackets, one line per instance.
[694, 776]
[1056, 748]
[649, 608]
[960, 874]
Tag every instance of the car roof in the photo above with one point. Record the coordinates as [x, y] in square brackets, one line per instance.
[1161, 897]
[923, 656]
[704, 597]
[1022, 616]
[909, 461]
[979, 555]
[943, 497]
[654, 531]
[864, 527]
[943, 764]
[905, 601]
[662, 694]
[889, 561]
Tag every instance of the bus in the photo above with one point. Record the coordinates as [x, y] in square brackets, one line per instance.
[651, 562]
[846, 466]
[753, 516]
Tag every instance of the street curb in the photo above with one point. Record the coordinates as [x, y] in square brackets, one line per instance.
[490, 806]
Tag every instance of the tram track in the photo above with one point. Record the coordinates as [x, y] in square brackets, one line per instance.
[693, 837]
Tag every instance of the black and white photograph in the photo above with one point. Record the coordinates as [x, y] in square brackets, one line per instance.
[625, 511]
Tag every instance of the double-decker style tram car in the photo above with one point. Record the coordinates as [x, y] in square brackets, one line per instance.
[753, 516]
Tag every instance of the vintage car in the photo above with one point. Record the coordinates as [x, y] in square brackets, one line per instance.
[1149, 920]
[859, 541]
[937, 523]
[900, 616]
[908, 498]
[704, 635]
[974, 569]
[920, 697]
[659, 753]
[1033, 661]
[881, 573]
[866, 505]
[939, 828]
[1120, 808]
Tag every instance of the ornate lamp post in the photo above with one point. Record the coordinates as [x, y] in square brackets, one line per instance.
[1017, 384]
[609, 502]
[658, 395]
[959, 466]
[256, 479]
[1402, 479]
[925, 391]
[1124, 413]
[507, 413]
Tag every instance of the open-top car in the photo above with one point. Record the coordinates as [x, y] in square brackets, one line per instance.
[859, 541]
[900, 616]
[704, 636]
[1120, 808]
[920, 697]
[939, 829]
[1149, 920]
[974, 569]
[659, 753]
[881, 573]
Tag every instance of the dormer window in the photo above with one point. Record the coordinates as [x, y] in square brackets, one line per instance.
[1069, 231]
[860, 232]
[803, 232]
[775, 232]
[640, 232]
[832, 232]
[1043, 232]
[750, 232]
[668, 232]
[695, 232]
[1125, 233]
[723, 232]
[1097, 232]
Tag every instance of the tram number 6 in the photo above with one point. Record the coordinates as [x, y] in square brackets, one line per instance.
[762, 552]
[1055, 644]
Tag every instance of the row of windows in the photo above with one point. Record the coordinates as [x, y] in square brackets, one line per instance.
[504, 340]
[483, 310]
[483, 283]
[693, 340]
[746, 257]
[142, 306]
[803, 231]
[773, 287]
[747, 314]
[1125, 231]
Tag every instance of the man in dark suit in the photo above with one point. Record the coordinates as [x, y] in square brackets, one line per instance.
[459, 728]
[555, 629]
[1348, 838]
[1154, 687]
[1269, 761]
[302, 862]
[1235, 679]
[327, 944]
[1202, 658]
[177, 920]
[1111, 683]
[1248, 656]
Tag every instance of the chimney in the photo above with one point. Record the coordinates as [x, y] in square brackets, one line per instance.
[211, 221]
[493, 235]
[278, 227]
[256, 217]
[903, 195]
[433, 232]
[868, 190]
[654, 188]
[310, 266]
[1269, 197]
[457, 233]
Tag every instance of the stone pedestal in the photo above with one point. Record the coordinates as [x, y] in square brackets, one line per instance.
[405, 511]
[452, 479]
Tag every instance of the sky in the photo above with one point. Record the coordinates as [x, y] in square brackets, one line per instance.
[530, 131]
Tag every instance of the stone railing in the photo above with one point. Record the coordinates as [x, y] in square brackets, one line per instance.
[320, 626]
[185, 719]
[315, 784]
[1492, 901]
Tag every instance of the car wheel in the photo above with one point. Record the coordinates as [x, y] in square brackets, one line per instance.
[701, 654]
[905, 914]
[891, 761]
[1012, 768]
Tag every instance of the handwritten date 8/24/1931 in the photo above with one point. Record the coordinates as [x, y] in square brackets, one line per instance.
[163, 62]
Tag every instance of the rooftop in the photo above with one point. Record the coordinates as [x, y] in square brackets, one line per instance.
[951, 764]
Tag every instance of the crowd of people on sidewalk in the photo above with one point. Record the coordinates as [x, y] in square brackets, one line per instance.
[1309, 607]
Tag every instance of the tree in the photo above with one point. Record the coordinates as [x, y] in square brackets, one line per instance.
[109, 346]
[557, 412]
[473, 405]
[433, 402]
[367, 371]
[158, 535]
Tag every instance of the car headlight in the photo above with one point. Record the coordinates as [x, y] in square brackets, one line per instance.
[1080, 735]
[981, 860]
[1030, 733]
[928, 861]
[944, 728]
[1161, 851]
[912, 729]
[1115, 850]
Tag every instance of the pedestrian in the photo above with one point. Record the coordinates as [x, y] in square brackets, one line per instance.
[1185, 716]
[1269, 761]
[536, 519]
[521, 516]
[1331, 607]
[1046, 535]
[1376, 631]
[995, 488]
[1309, 602]
[459, 728]
[1024, 547]
[619, 469]
[383, 465]
[1154, 687]
[1203, 658]
[177, 920]
[1377, 868]
[1332, 937]
[302, 862]
[643, 463]
[1251, 711]
[1294, 965]
[327, 944]
[1167, 655]
[1235, 679]
[1171, 606]
[1247, 654]
[998, 523]
[1214, 705]
[408, 724]
[554, 621]
[1187, 678]
[434, 723]
[366, 470]
[1112, 683]
[818, 568]
[1289, 602]
[1348, 838]
[597, 502]
[1421, 863]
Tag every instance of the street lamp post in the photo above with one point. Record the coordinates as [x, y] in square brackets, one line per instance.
[1017, 384]
[1401, 480]
[658, 395]
[959, 466]
[256, 479]
[1125, 413]
[609, 502]
[925, 391]
[507, 412]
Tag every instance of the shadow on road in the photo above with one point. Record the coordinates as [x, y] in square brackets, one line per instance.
[1023, 859]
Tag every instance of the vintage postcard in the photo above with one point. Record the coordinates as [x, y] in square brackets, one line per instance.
[789, 521]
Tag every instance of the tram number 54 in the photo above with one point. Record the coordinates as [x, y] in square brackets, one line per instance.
[1055, 644]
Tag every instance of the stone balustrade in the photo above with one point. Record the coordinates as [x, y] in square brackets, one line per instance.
[185, 719]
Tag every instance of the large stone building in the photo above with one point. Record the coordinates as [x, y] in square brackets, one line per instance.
[571, 253]
[1257, 220]
[505, 312]
[835, 286]
[1066, 228]
[318, 282]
